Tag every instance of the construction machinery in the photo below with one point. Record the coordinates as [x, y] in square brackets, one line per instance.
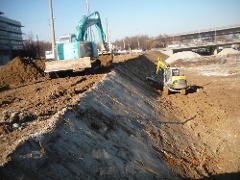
[85, 23]
[170, 78]
[173, 81]
[49, 55]
[74, 52]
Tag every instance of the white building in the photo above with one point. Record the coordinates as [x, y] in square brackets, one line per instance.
[11, 42]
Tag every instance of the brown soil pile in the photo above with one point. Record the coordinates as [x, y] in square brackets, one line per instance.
[19, 72]
[106, 60]
[153, 56]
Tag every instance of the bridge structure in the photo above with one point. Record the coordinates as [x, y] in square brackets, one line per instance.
[204, 40]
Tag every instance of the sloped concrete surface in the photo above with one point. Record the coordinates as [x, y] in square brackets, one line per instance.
[107, 136]
[124, 128]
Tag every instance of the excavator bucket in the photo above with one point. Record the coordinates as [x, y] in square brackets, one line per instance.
[70, 64]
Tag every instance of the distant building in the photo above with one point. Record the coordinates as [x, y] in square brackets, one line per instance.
[11, 41]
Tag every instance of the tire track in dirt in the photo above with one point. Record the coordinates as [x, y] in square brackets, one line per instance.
[131, 127]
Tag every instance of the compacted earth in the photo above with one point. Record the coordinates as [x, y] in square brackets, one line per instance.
[115, 124]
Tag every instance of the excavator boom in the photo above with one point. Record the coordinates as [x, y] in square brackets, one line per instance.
[88, 21]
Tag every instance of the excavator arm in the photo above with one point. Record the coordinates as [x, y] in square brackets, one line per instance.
[161, 64]
[88, 21]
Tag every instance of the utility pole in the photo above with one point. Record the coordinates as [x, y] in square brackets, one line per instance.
[215, 36]
[38, 52]
[138, 40]
[124, 47]
[52, 28]
[138, 43]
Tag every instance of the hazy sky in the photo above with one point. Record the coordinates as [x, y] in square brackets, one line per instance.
[125, 17]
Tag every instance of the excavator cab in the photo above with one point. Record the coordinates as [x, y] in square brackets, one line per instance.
[174, 81]
[74, 56]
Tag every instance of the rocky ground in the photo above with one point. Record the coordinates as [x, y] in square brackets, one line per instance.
[194, 136]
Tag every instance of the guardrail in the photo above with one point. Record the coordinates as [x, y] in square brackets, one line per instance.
[206, 44]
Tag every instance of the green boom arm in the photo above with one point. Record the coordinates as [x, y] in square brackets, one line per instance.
[86, 22]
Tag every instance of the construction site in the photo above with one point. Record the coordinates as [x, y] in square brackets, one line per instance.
[114, 124]
[86, 111]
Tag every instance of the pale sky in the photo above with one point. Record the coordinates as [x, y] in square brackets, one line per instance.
[125, 17]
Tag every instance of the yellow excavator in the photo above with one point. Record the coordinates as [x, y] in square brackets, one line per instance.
[169, 77]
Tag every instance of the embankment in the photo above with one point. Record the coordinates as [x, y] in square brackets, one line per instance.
[117, 131]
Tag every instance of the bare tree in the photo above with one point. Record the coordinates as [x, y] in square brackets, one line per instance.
[35, 49]
[142, 42]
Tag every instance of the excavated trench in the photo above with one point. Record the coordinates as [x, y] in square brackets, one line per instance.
[117, 131]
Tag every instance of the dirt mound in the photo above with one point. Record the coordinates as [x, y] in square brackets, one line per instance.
[150, 55]
[153, 55]
[228, 51]
[186, 55]
[106, 60]
[196, 62]
[21, 71]
[120, 58]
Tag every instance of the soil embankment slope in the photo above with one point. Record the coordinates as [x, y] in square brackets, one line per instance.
[121, 127]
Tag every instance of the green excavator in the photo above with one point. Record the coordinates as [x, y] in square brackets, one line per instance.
[74, 52]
